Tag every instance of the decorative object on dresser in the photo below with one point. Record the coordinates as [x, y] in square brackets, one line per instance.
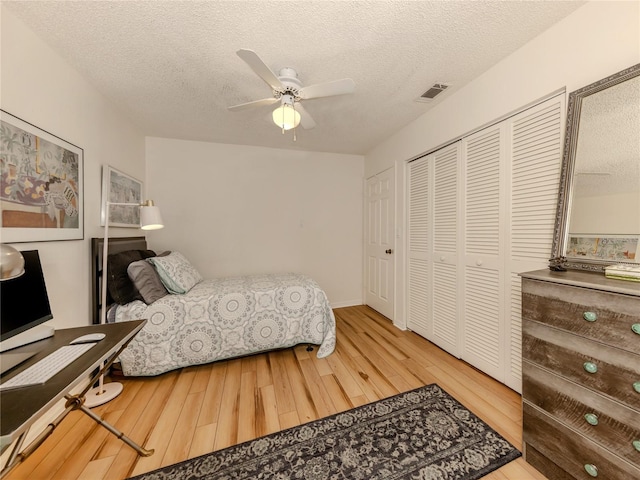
[598, 217]
[149, 219]
[623, 272]
[581, 375]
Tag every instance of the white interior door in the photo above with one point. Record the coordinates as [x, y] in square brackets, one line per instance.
[379, 239]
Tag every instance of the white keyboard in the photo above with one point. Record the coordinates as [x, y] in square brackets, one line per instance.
[44, 369]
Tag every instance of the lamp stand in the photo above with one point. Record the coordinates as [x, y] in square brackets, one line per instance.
[99, 396]
[150, 219]
[104, 393]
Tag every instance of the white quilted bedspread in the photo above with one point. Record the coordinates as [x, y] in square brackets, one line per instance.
[225, 318]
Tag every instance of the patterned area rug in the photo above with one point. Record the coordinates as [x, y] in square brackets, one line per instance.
[422, 434]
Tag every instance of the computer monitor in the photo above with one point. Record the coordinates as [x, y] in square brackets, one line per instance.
[24, 304]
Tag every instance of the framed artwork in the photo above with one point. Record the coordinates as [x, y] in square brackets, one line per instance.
[41, 184]
[118, 187]
[610, 248]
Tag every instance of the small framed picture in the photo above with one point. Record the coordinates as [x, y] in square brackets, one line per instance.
[610, 248]
[124, 193]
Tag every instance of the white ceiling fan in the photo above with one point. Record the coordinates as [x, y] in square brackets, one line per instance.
[289, 92]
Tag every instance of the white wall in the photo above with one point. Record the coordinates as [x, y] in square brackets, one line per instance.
[236, 210]
[38, 86]
[594, 215]
[597, 40]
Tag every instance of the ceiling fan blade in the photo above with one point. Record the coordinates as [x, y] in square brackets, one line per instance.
[260, 68]
[337, 87]
[306, 120]
[255, 103]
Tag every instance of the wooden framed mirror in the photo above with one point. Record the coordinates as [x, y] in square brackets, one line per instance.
[598, 216]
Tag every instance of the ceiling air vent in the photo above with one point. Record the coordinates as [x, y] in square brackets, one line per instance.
[435, 90]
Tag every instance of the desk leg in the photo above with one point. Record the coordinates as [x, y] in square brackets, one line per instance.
[11, 461]
[17, 458]
[78, 405]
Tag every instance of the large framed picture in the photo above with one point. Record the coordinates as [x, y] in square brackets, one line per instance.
[118, 187]
[41, 184]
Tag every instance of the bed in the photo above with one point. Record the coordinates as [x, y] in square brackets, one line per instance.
[199, 320]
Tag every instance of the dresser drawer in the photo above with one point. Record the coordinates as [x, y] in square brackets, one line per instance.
[614, 371]
[571, 451]
[606, 317]
[604, 421]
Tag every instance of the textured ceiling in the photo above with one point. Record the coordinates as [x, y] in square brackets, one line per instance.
[171, 67]
[608, 145]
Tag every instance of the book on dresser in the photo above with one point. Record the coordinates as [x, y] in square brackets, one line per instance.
[581, 375]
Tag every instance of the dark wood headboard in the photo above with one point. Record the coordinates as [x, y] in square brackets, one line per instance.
[116, 245]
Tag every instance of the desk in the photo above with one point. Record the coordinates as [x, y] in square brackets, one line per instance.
[20, 408]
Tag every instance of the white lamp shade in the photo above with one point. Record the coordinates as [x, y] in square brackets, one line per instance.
[11, 262]
[150, 218]
[286, 117]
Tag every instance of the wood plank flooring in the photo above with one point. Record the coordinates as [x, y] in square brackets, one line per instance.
[186, 413]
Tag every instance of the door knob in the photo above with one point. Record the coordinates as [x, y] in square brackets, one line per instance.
[388, 251]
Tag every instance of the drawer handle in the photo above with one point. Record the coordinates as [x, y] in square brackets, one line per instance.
[591, 367]
[636, 328]
[591, 469]
[591, 418]
[590, 316]
[636, 444]
[636, 386]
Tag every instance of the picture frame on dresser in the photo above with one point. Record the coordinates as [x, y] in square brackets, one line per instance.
[41, 184]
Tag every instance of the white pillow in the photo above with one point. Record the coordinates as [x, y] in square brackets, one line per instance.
[176, 273]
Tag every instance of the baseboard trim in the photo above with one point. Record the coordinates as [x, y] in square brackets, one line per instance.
[348, 303]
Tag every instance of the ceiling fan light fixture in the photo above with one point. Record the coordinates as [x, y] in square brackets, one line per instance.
[286, 117]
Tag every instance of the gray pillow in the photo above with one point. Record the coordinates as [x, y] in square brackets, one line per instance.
[146, 280]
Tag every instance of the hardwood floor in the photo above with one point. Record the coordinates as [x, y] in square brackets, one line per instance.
[196, 410]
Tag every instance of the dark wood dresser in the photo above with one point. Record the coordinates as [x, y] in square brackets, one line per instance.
[581, 375]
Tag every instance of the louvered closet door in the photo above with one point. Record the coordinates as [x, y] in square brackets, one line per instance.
[444, 253]
[482, 319]
[418, 246]
[483, 209]
[535, 149]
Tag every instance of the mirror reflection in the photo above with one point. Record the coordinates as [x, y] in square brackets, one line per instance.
[606, 182]
[598, 221]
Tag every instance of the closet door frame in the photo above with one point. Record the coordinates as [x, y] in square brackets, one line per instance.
[506, 264]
